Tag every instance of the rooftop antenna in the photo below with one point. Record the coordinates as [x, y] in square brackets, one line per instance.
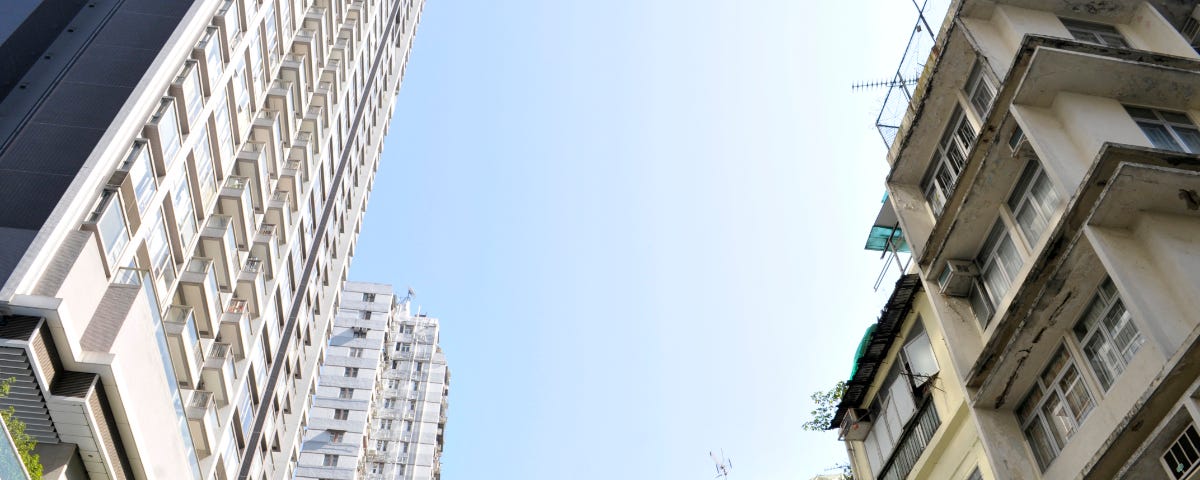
[411, 293]
[723, 464]
[895, 82]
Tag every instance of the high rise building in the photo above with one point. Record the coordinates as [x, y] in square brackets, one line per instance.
[1045, 177]
[380, 407]
[183, 182]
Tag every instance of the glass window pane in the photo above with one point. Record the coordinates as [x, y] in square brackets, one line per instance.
[1190, 137]
[1159, 137]
[919, 353]
[1040, 441]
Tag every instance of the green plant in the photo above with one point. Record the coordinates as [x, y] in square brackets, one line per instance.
[826, 407]
[23, 441]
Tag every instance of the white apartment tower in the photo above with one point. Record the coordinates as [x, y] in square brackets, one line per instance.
[183, 183]
[380, 407]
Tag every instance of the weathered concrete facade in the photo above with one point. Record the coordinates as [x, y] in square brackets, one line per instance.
[1046, 179]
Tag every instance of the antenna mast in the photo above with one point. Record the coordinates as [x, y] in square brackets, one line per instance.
[723, 465]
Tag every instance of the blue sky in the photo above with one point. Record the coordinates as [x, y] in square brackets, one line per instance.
[641, 224]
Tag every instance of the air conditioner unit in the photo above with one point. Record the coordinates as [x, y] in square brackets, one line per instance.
[957, 277]
[1191, 27]
[856, 424]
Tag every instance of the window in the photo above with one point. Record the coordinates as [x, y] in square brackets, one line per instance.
[1108, 334]
[385, 424]
[1054, 408]
[330, 460]
[376, 467]
[351, 372]
[979, 89]
[360, 333]
[975, 475]
[381, 445]
[893, 406]
[368, 297]
[160, 250]
[202, 154]
[356, 352]
[1097, 33]
[346, 393]
[141, 174]
[404, 347]
[224, 130]
[165, 129]
[389, 403]
[1183, 456]
[1166, 129]
[365, 314]
[110, 224]
[189, 92]
[999, 262]
[185, 211]
[341, 414]
[1032, 202]
[336, 436]
[948, 161]
[210, 45]
[917, 356]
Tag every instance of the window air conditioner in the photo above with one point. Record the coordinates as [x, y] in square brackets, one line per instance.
[856, 424]
[956, 278]
[1191, 27]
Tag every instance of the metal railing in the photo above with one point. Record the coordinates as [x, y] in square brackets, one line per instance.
[912, 63]
[912, 443]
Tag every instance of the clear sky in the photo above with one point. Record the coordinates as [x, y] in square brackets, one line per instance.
[641, 224]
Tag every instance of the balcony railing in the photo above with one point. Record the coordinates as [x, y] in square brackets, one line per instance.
[917, 433]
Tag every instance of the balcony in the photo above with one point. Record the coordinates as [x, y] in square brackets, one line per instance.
[334, 73]
[279, 213]
[202, 420]
[917, 434]
[228, 20]
[268, 130]
[281, 97]
[292, 180]
[198, 289]
[184, 344]
[235, 328]
[318, 20]
[217, 242]
[324, 96]
[252, 286]
[236, 202]
[252, 164]
[315, 122]
[307, 45]
[266, 248]
[218, 375]
[294, 72]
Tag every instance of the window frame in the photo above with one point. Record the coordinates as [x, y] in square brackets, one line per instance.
[979, 82]
[1194, 439]
[1100, 33]
[989, 256]
[1053, 392]
[1108, 300]
[1162, 119]
[1026, 197]
[949, 160]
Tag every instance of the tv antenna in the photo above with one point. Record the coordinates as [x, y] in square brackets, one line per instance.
[411, 293]
[723, 464]
[895, 82]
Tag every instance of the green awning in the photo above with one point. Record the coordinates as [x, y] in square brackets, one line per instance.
[862, 349]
